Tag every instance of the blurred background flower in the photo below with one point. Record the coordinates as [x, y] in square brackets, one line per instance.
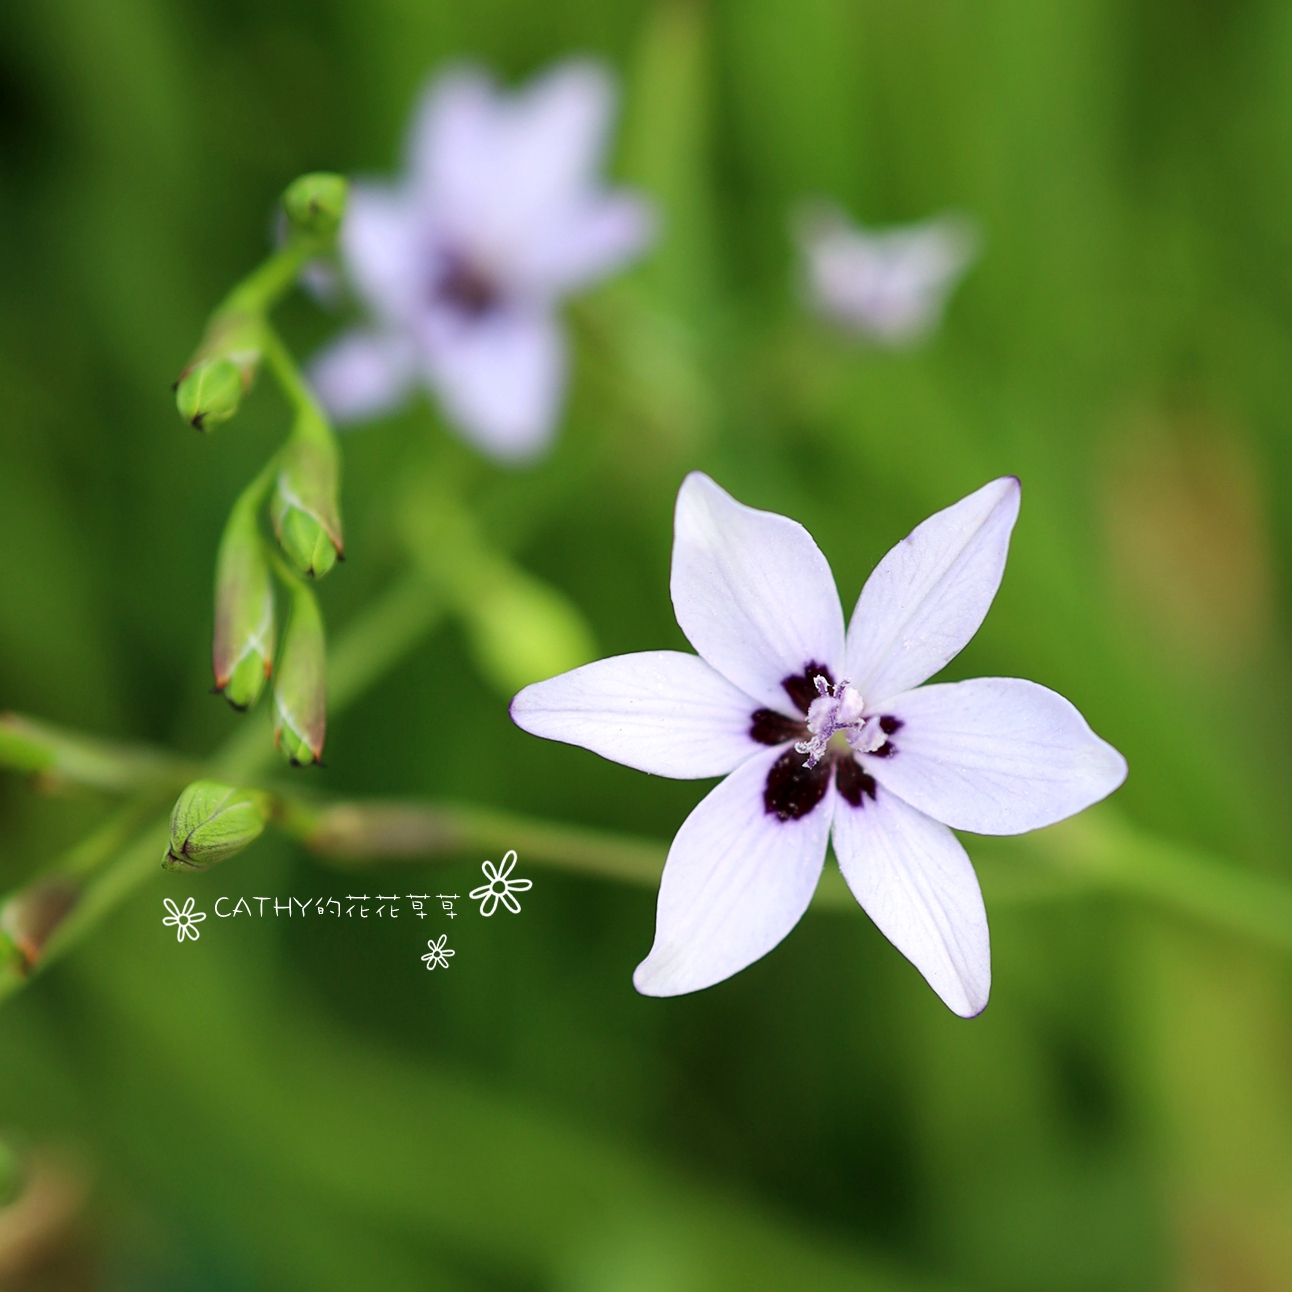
[501, 213]
[890, 285]
[292, 1108]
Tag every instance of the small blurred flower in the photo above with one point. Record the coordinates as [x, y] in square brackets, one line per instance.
[890, 285]
[501, 213]
[184, 921]
[873, 759]
[500, 888]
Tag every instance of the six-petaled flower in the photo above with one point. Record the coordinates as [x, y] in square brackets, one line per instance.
[438, 955]
[463, 263]
[500, 888]
[889, 285]
[184, 921]
[823, 735]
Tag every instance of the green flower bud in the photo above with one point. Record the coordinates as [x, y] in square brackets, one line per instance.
[209, 393]
[315, 204]
[305, 541]
[211, 822]
[211, 387]
[300, 698]
[242, 654]
[304, 506]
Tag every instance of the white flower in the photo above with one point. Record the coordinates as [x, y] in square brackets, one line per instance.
[463, 262]
[439, 953]
[500, 888]
[824, 736]
[185, 922]
[891, 285]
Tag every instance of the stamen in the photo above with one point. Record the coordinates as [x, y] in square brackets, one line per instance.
[837, 709]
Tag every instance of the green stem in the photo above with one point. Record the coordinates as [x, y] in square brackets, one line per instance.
[1095, 852]
[253, 495]
[58, 757]
[351, 835]
[137, 863]
[265, 286]
[83, 859]
[278, 358]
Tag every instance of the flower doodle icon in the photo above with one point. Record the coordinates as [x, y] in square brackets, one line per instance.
[185, 921]
[438, 955]
[500, 888]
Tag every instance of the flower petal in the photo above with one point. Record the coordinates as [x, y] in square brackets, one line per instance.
[752, 592]
[364, 375]
[498, 171]
[588, 242]
[930, 594]
[501, 379]
[662, 712]
[554, 134]
[449, 149]
[913, 878]
[995, 755]
[382, 247]
[736, 882]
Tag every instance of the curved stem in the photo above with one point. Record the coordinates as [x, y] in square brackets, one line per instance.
[266, 285]
[293, 385]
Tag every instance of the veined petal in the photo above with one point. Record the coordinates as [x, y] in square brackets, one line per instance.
[500, 378]
[659, 711]
[913, 878]
[587, 242]
[930, 594]
[736, 882]
[752, 592]
[995, 755]
[364, 374]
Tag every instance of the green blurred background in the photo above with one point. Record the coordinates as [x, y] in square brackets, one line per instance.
[300, 1106]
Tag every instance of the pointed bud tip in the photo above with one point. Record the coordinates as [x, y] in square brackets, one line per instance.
[315, 203]
[306, 543]
[296, 750]
[242, 687]
[209, 393]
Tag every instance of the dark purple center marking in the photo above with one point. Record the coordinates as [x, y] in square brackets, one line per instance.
[794, 789]
[801, 688]
[465, 288]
